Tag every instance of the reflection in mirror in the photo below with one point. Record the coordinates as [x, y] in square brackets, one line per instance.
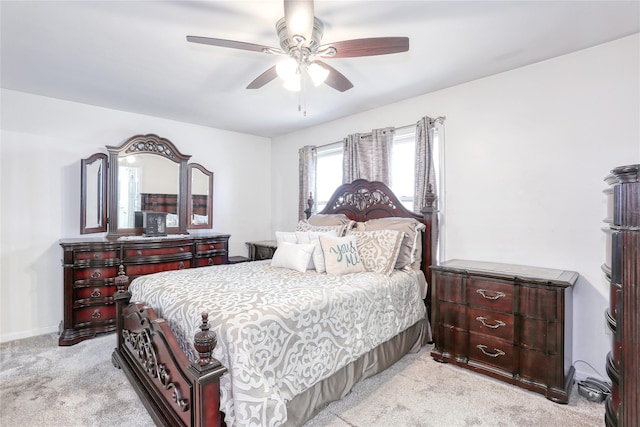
[93, 206]
[200, 197]
[147, 182]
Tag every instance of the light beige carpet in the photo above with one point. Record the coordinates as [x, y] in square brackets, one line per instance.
[42, 384]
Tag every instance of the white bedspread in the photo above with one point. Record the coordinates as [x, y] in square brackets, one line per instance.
[280, 331]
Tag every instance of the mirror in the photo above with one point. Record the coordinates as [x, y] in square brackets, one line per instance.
[200, 195]
[149, 174]
[147, 182]
[93, 192]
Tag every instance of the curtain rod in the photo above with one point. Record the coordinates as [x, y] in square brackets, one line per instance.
[439, 120]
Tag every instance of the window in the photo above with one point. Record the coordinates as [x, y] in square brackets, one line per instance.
[329, 168]
[328, 172]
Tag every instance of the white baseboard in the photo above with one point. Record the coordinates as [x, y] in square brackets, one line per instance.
[27, 334]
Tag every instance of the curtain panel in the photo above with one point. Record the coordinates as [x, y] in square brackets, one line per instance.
[425, 178]
[307, 179]
[368, 156]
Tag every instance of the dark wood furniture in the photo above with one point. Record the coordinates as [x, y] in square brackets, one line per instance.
[157, 202]
[622, 268]
[92, 265]
[506, 321]
[262, 250]
[187, 393]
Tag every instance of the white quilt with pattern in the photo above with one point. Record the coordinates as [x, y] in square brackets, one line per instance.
[280, 331]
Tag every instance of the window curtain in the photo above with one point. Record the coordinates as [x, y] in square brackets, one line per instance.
[368, 156]
[307, 180]
[425, 180]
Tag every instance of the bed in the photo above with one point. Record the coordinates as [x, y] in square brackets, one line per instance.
[197, 363]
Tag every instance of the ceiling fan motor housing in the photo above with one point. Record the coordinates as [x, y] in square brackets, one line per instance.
[288, 44]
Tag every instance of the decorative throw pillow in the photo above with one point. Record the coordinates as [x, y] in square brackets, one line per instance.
[378, 249]
[293, 256]
[340, 229]
[411, 250]
[341, 255]
[328, 219]
[313, 237]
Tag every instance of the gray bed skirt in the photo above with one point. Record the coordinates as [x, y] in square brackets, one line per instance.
[306, 405]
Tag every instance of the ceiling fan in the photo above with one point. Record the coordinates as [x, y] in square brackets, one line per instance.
[300, 34]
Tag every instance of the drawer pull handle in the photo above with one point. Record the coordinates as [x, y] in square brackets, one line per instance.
[498, 324]
[96, 274]
[210, 262]
[497, 353]
[96, 293]
[497, 295]
[96, 314]
[181, 265]
[139, 253]
[212, 246]
[96, 256]
[181, 249]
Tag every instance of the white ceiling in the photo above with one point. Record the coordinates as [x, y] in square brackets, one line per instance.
[133, 55]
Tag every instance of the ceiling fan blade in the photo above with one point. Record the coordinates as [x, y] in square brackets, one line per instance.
[298, 15]
[263, 78]
[336, 79]
[365, 47]
[232, 44]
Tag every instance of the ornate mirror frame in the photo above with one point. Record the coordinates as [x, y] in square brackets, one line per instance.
[199, 206]
[93, 194]
[146, 144]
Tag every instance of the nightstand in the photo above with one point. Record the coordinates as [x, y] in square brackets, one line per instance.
[510, 322]
[262, 250]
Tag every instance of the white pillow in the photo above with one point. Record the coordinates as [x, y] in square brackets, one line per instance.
[285, 236]
[341, 255]
[313, 237]
[293, 256]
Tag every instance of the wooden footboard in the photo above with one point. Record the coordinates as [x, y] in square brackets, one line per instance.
[175, 391]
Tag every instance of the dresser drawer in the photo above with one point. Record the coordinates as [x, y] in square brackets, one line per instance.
[211, 260]
[94, 314]
[87, 257]
[489, 351]
[92, 294]
[151, 252]
[492, 323]
[95, 273]
[490, 293]
[138, 270]
[211, 245]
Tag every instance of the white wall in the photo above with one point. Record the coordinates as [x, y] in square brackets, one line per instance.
[526, 154]
[42, 142]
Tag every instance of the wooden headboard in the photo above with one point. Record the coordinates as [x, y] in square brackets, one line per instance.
[158, 202]
[362, 200]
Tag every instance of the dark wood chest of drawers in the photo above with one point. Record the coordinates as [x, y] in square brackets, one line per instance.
[91, 265]
[622, 268]
[507, 321]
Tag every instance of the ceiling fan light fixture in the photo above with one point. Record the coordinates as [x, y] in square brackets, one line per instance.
[293, 83]
[318, 73]
[287, 68]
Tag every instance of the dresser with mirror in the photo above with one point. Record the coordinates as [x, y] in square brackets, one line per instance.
[143, 198]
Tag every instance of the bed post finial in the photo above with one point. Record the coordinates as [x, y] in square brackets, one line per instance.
[205, 341]
[121, 280]
[430, 197]
[309, 210]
